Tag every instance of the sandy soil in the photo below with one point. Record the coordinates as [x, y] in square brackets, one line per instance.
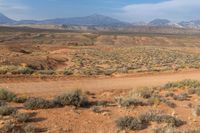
[84, 120]
[51, 88]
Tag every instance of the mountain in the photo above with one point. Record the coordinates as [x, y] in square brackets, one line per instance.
[159, 22]
[5, 20]
[100, 21]
[27, 22]
[191, 24]
[93, 20]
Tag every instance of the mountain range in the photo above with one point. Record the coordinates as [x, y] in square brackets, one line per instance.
[101, 20]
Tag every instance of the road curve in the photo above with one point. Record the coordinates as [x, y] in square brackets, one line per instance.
[51, 88]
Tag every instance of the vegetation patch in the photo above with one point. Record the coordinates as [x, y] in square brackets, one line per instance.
[12, 127]
[143, 92]
[131, 123]
[181, 97]
[37, 103]
[6, 95]
[5, 110]
[23, 117]
[143, 120]
[130, 101]
[74, 97]
[183, 84]
[161, 118]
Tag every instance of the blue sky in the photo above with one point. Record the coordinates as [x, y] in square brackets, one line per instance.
[126, 10]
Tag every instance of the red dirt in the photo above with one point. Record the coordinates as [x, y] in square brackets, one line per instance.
[48, 88]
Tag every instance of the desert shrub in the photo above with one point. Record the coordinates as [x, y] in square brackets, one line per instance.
[102, 103]
[2, 103]
[19, 99]
[96, 109]
[46, 72]
[37, 103]
[12, 127]
[185, 83]
[196, 111]
[194, 91]
[157, 99]
[122, 70]
[5, 69]
[15, 70]
[192, 131]
[173, 130]
[131, 123]
[22, 70]
[142, 92]
[64, 72]
[67, 72]
[165, 130]
[181, 97]
[75, 98]
[6, 95]
[169, 103]
[154, 101]
[5, 110]
[23, 117]
[130, 101]
[161, 118]
[30, 129]
[169, 94]
[109, 72]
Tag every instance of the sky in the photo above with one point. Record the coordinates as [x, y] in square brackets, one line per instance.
[125, 10]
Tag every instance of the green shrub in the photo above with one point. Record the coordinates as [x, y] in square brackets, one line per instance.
[23, 117]
[15, 70]
[46, 72]
[37, 103]
[6, 95]
[130, 101]
[161, 118]
[181, 97]
[22, 70]
[156, 99]
[184, 83]
[75, 98]
[5, 110]
[19, 99]
[131, 123]
[12, 127]
[5, 69]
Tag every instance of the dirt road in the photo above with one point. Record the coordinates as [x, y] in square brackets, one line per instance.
[51, 88]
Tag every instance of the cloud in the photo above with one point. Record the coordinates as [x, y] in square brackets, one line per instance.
[175, 10]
